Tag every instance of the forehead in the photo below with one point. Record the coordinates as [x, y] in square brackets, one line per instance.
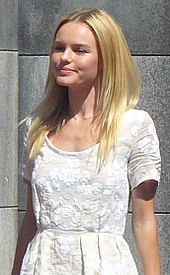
[77, 32]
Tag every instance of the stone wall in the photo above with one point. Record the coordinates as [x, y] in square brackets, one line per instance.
[8, 132]
[146, 26]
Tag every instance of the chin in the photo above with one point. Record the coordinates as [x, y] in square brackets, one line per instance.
[60, 83]
[64, 82]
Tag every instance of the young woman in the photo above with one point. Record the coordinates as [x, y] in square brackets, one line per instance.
[86, 149]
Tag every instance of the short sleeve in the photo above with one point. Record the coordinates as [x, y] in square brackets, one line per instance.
[144, 162]
[25, 165]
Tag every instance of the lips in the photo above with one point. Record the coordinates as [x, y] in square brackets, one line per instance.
[65, 70]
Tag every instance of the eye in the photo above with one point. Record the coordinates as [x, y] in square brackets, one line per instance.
[59, 48]
[80, 51]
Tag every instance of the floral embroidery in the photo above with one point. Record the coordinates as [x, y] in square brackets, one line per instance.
[69, 175]
[144, 145]
[69, 195]
[135, 131]
[64, 244]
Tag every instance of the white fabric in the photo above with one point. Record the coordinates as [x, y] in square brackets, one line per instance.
[81, 213]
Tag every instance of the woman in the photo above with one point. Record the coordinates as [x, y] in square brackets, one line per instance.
[87, 150]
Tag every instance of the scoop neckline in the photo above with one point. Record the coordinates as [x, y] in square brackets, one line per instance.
[93, 149]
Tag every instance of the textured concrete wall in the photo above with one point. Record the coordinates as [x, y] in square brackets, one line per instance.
[8, 133]
[146, 27]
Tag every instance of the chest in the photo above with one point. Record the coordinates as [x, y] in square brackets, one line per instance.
[75, 136]
[77, 173]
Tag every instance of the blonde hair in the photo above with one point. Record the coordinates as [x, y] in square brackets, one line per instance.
[120, 85]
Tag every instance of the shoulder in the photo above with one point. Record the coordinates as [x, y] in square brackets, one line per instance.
[136, 121]
[25, 130]
[135, 117]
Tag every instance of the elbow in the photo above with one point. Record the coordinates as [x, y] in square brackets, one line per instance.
[145, 225]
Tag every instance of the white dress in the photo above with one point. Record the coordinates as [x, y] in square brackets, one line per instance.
[81, 213]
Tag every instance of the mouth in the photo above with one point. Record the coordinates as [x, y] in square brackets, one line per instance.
[65, 70]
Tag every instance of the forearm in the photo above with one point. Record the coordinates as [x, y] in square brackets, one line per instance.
[26, 234]
[145, 235]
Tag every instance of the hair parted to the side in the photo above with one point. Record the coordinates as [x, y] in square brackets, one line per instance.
[120, 85]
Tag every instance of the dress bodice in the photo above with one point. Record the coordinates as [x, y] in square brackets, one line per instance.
[70, 194]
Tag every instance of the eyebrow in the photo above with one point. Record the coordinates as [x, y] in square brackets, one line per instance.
[74, 44]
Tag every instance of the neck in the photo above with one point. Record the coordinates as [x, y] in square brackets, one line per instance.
[82, 103]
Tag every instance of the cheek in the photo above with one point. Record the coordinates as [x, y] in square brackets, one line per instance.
[89, 67]
[54, 59]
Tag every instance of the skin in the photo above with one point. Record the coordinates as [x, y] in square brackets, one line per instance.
[75, 49]
[75, 57]
[75, 64]
[26, 234]
[144, 227]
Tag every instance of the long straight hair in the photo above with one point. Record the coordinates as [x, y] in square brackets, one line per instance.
[120, 85]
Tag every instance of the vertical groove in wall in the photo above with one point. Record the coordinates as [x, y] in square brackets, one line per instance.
[8, 133]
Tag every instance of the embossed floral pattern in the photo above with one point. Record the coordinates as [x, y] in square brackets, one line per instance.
[77, 207]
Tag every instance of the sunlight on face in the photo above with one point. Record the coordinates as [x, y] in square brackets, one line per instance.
[75, 55]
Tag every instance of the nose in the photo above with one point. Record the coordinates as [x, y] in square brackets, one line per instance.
[66, 56]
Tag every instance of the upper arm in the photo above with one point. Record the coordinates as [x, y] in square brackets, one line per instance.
[144, 162]
[25, 170]
[143, 200]
[26, 164]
